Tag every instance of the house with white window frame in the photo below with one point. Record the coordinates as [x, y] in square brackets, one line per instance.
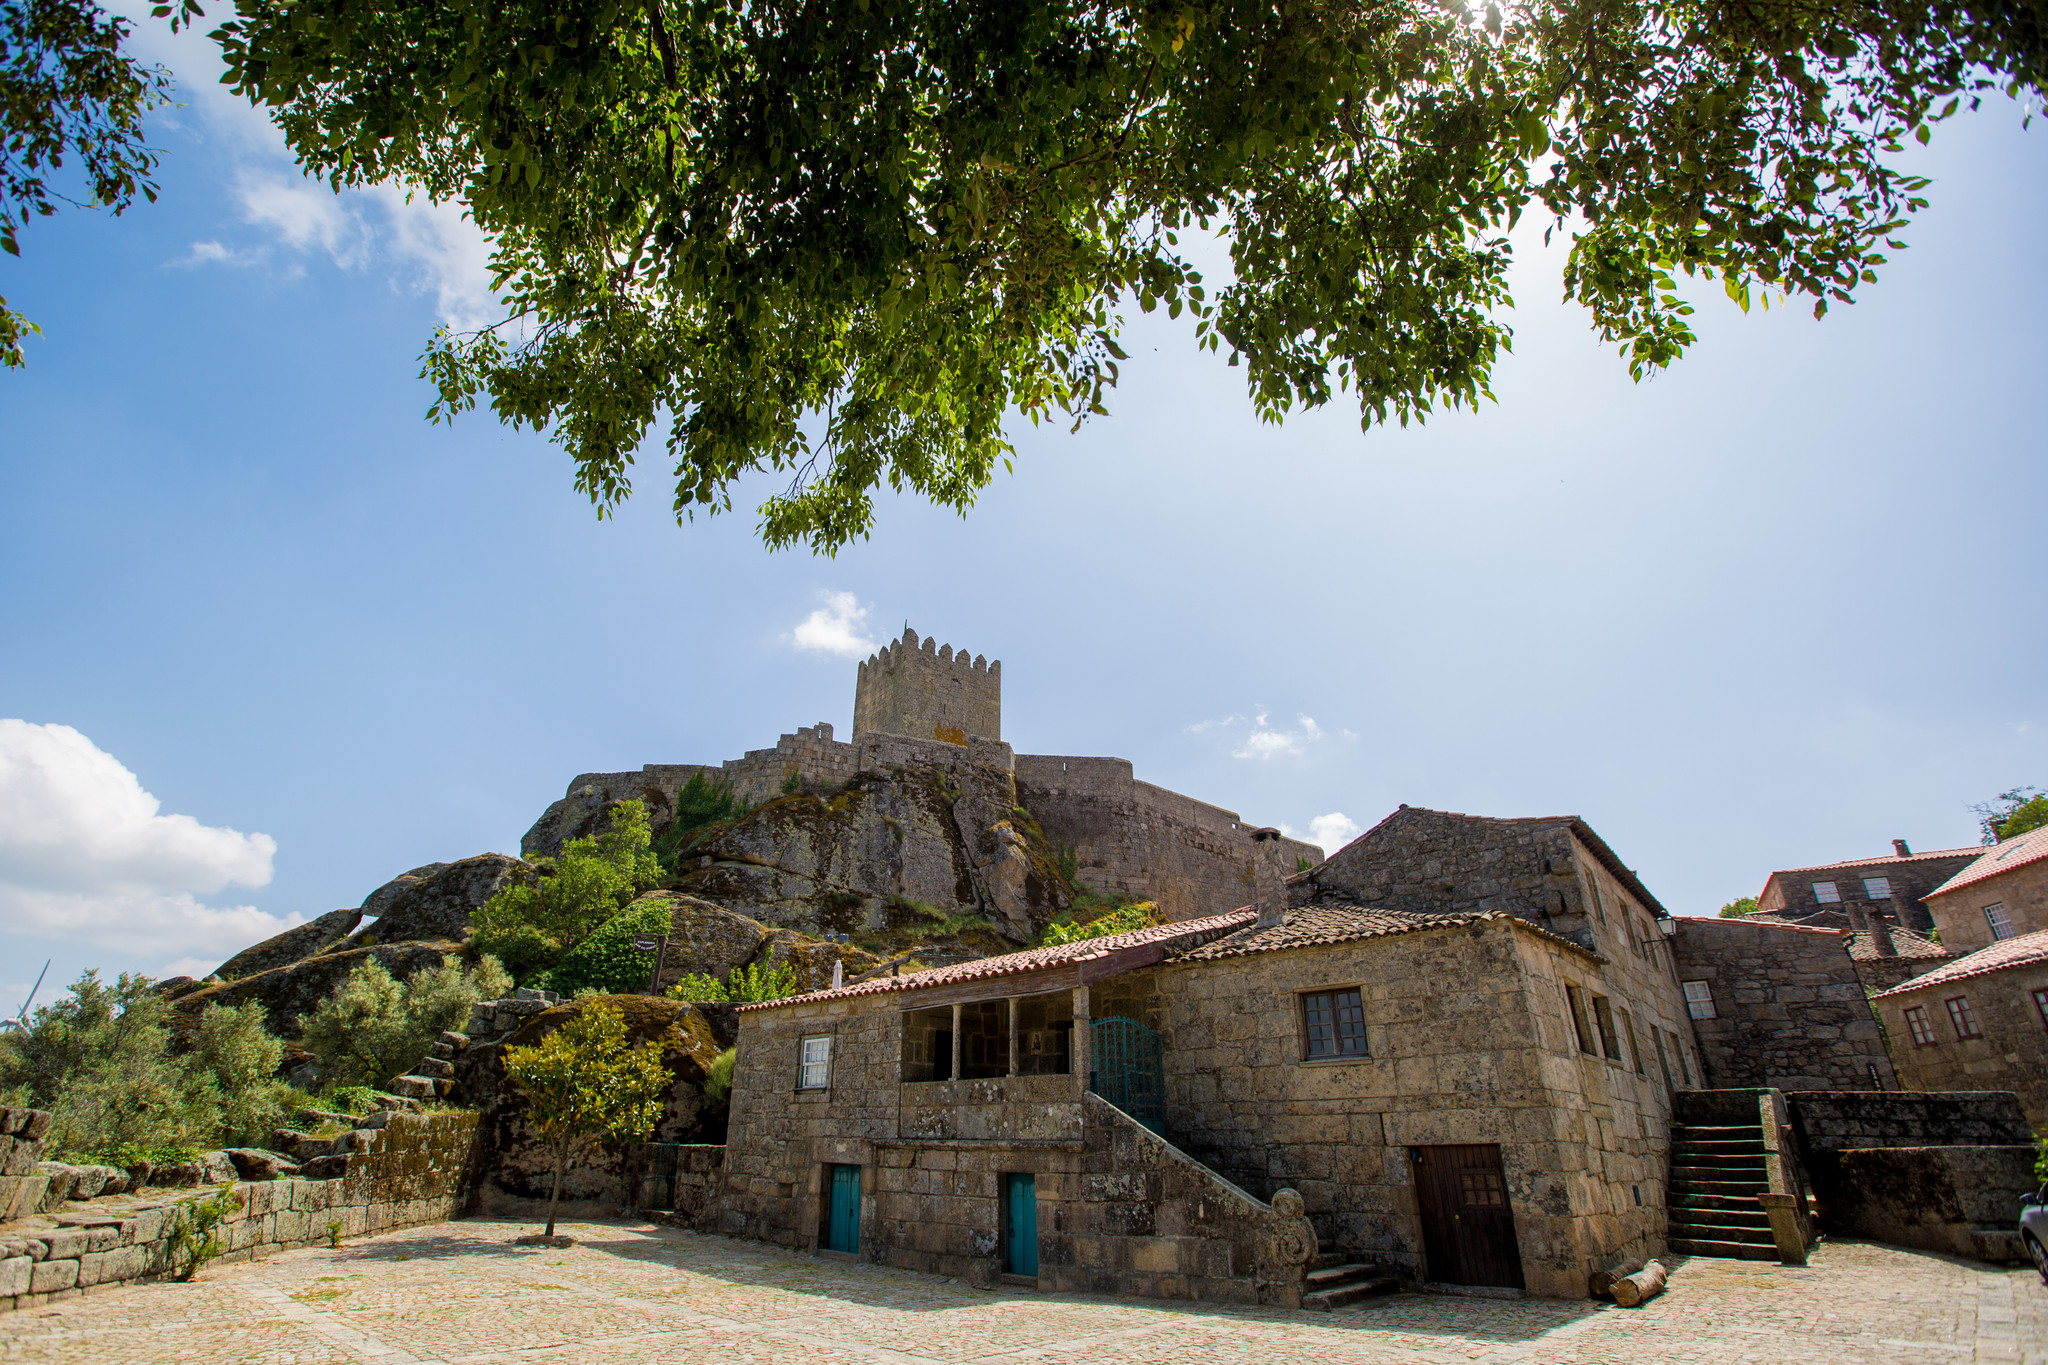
[1895, 886]
[1450, 1056]
[2002, 893]
[1978, 1023]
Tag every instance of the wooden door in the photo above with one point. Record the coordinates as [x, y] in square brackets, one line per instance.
[1468, 1230]
[1020, 1224]
[842, 1217]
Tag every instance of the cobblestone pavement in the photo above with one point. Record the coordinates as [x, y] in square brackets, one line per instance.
[460, 1292]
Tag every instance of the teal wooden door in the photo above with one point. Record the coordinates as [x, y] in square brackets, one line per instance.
[842, 1220]
[1020, 1224]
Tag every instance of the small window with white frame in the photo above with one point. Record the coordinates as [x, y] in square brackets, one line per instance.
[2000, 922]
[814, 1065]
[1916, 1021]
[1699, 1000]
[1826, 893]
[1877, 888]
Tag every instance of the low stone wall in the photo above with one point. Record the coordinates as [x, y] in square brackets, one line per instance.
[1939, 1171]
[415, 1169]
[1143, 1217]
[683, 1181]
[1961, 1200]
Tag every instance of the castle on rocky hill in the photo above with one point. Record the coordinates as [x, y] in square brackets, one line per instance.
[920, 705]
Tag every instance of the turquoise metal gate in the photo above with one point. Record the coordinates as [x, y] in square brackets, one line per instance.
[1124, 1068]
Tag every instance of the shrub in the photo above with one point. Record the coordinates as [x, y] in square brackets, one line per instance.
[702, 802]
[586, 1084]
[349, 1099]
[718, 1080]
[746, 985]
[99, 1060]
[592, 880]
[375, 1027]
[196, 1238]
[1119, 921]
[238, 1058]
[1737, 908]
[607, 962]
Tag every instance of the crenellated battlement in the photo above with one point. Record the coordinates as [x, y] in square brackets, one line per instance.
[928, 691]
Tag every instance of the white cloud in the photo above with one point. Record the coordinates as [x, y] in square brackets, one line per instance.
[422, 247]
[1267, 741]
[835, 628]
[86, 854]
[1327, 832]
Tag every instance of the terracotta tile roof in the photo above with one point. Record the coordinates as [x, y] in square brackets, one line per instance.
[2025, 951]
[1873, 861]
[1906, 941]
[1030, 960]
[1309, 926]
[2017, 851]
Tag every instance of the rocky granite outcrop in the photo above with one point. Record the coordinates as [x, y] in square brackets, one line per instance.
[436, 901]
[948, 838]
[293, 945]
[296, 989]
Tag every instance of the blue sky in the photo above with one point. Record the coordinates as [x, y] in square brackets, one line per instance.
[1775, 606]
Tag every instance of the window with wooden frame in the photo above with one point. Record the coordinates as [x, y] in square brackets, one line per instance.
[814, 1064]
[1684, 1062]
[1826, 893]
[2041, 1006]
[1577, 1008]
[1663, 1060]
[1333, 1024]
[1917, 1024]
[1635, 1044]
[1964, 1019]
[1603, 1016]
[1699, 1000]
[2000, 922]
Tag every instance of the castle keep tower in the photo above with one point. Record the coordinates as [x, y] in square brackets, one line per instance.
[928, 692]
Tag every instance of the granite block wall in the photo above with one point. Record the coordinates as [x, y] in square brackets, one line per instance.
[1790, 1011]
[2008, 1052]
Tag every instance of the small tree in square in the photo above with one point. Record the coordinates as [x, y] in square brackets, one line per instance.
[587, 1085]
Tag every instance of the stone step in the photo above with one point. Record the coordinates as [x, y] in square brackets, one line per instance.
[1332, 1276]
[1730, 1219]
[434, 1066]
[1715, 1142]
[1374, 1283]
[413, 1087]
[1743, 1202]
[1720, 1175]
[1717, 1130]
[1734, 1251]
[1717, 1161]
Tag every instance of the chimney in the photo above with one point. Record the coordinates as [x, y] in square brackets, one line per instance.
[1881, 935]
[1899, 847]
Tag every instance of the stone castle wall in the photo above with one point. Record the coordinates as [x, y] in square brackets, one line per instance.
[1136, 839]
[1790, 1011]
[928, 692]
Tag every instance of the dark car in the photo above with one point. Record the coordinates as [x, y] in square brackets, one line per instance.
[2034, 1229]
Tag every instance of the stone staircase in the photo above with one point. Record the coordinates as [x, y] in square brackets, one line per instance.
[1335, 1280]
[1717, 1174]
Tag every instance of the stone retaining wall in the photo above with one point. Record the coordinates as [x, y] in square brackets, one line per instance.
[1961, 1200]
[413, 1170]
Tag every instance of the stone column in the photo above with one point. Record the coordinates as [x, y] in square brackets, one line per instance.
[1082, 1051]
[959, 1044]
[1013, 1035]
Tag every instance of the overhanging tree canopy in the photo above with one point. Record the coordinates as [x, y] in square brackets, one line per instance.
[842, 239]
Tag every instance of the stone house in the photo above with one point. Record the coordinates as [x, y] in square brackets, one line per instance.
[1979, 1023]
[1783, 1006]
[1448, 1057]
[1895, 886]
[2000, 894]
